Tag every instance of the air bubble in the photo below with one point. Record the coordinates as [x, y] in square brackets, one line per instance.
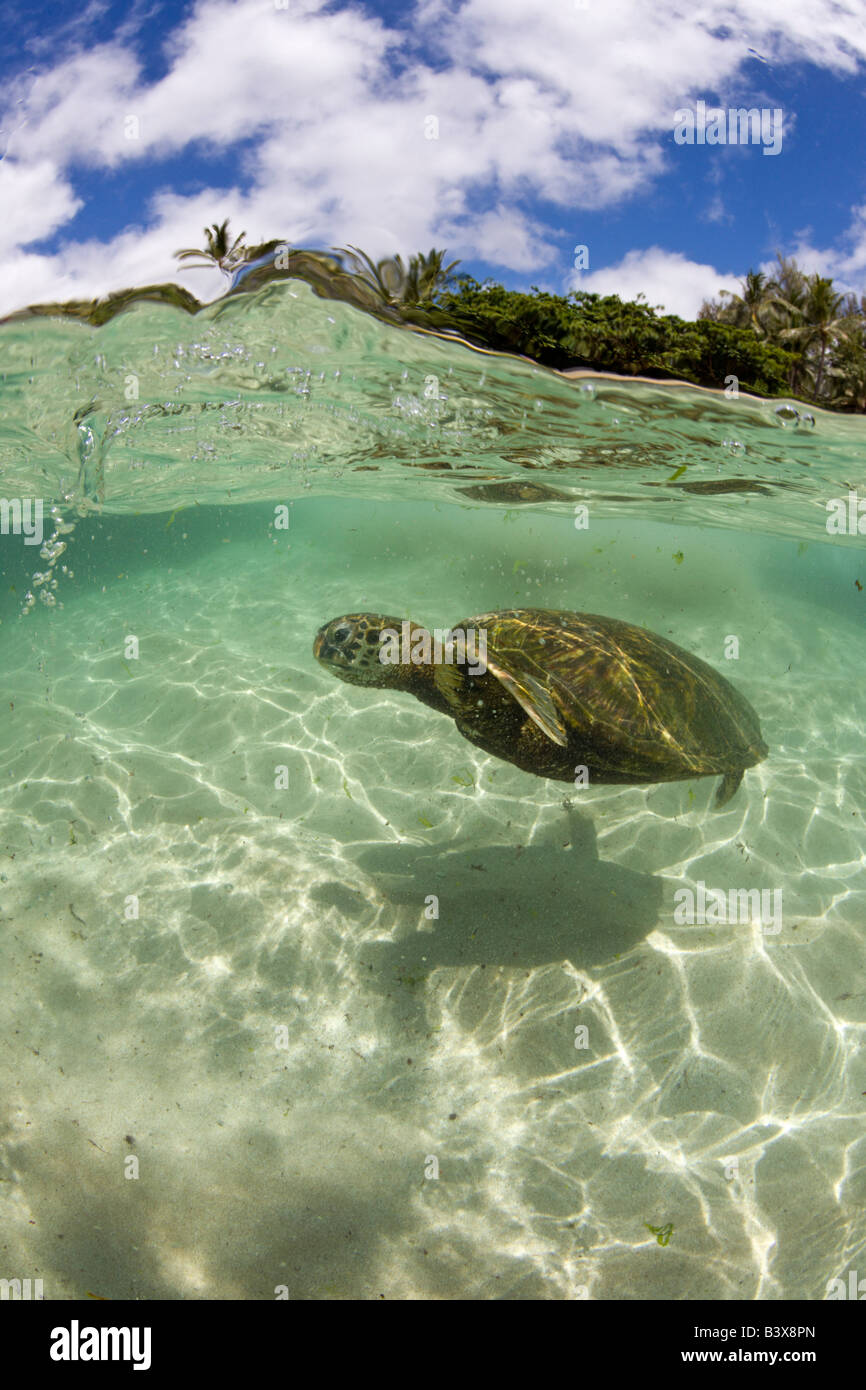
[787, 415]
[734, 446]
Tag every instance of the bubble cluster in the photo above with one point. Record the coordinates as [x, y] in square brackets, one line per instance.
[45, 581]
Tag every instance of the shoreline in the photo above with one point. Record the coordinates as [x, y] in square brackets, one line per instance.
[575, 373]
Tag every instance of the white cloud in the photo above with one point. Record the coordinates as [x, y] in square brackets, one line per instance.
[535, 101]
[507, 238]
[665, 278]
[35, 199]
[845, 263]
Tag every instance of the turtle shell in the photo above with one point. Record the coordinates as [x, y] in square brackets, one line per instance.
[628, 704]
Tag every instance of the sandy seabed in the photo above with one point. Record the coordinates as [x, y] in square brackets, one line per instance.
[233, 982]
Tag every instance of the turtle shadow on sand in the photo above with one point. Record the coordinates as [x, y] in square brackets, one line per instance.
[513, 906]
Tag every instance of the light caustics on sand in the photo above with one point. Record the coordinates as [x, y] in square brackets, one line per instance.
[217, 862]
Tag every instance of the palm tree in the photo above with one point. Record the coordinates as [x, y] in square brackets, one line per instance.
[846, 378]
[751, 307]
[822, 324]
[218, 251]
[790, 284]
[387, 277]
[428, 277]
[397, 284]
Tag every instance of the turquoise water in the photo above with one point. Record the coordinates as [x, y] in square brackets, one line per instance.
[215, 858]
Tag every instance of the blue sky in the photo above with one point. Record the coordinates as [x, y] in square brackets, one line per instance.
[129, 126]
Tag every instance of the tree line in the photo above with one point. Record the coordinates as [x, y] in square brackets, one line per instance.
[788, 333]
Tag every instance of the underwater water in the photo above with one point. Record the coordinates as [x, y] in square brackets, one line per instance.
[237, 1052]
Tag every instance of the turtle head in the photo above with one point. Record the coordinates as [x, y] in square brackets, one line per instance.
[391, 653]
[354, 648]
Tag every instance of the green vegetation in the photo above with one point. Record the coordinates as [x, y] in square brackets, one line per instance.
[416, 285]
[99, 311]
[822, 331]
[789, 335]
[219, 252]
[604, 333]
[662, 1233]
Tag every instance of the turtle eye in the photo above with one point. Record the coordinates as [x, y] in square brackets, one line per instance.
[341, 633]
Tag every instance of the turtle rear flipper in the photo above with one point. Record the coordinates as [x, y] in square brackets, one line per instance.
[727, 787]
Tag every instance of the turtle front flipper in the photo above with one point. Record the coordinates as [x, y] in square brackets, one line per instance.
[728, 785]
[533, 697]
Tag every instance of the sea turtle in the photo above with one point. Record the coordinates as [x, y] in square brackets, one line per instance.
[554, 692]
